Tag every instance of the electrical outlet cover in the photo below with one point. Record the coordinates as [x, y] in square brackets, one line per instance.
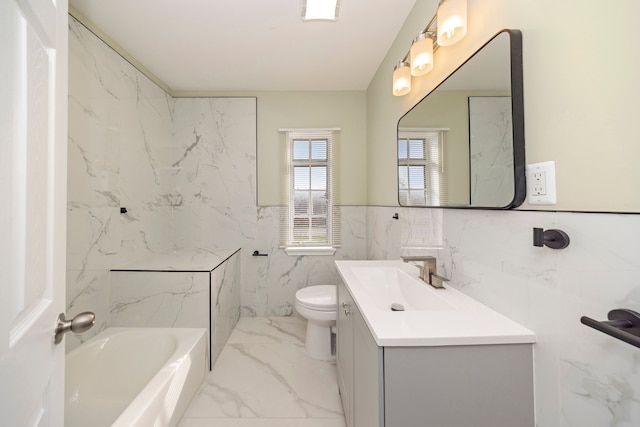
[541, 183]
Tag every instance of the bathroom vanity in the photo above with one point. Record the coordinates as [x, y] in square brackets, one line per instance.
[446, 360]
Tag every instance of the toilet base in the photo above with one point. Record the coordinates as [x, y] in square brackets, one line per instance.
[318, 341]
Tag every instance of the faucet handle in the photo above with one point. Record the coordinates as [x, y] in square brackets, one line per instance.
[437, 281]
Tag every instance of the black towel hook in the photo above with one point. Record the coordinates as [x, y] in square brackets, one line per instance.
[554, 239]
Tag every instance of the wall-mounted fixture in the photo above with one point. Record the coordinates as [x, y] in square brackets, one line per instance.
[554, 239]
[447, 27]
[421, 54]
[452, 21]
[623, 324]
[401, 79]
[320, 10]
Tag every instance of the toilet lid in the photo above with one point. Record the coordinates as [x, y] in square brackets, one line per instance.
[320, 297]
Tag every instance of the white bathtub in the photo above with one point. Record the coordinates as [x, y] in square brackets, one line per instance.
[134, 377]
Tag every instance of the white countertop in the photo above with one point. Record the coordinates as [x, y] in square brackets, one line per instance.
[464, 321]
[187, 260]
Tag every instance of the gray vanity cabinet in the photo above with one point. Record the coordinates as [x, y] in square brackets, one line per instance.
[439, 386]
[359, 365]
[367, 376]
[344, 351]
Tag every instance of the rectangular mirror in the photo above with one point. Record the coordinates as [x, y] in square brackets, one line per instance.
[462, 145]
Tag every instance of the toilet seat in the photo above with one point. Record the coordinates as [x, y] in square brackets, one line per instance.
[318, 298]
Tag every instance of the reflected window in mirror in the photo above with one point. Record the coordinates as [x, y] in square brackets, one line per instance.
[420, 167]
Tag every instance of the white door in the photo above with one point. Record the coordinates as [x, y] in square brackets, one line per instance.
[33, 115]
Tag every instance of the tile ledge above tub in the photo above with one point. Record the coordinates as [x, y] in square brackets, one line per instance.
[181, 260]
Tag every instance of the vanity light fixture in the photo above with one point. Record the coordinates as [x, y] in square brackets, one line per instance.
[320, 10]
[452, 21]
[421, 54]
[447, 27]
[401, 79]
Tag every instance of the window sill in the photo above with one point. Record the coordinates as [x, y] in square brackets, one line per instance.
[310, 250]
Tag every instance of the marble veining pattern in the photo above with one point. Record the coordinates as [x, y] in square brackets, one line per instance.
[264, 378]
[209, 298]
[159, 299]
[582, 377]
[225, 303]
[119, 132]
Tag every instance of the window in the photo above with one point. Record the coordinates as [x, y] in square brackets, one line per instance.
[310, 220]
[420, 167]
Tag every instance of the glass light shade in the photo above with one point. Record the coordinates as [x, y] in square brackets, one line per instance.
[421, 55]
[319, 10]
[401, 79]
[452, 21]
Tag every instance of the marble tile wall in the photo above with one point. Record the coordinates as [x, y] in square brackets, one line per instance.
[225, 303]
[119, 144]
[159, 299]
[273, 281]
[582, 377]
[215, 162]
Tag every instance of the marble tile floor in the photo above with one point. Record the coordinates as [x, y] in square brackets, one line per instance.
[264, 378]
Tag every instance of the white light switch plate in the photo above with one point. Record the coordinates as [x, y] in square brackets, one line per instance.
[541, 183]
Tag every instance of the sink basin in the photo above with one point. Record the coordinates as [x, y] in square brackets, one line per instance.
[388, 285]
[431, 317]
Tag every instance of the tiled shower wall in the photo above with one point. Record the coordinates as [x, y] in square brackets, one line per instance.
[185, 170]
[119, 156]
[582, 377]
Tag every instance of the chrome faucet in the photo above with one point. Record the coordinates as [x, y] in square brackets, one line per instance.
[428, 270]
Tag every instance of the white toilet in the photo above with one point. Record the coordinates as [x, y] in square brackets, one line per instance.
[318, 304]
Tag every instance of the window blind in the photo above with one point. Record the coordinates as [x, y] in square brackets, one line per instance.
[420, 167]
[310, 216]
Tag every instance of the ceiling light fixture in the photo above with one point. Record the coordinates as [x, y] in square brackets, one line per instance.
[320, 10]
[447, 27]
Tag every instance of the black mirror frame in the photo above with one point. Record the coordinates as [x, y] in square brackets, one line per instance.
[517, 111]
